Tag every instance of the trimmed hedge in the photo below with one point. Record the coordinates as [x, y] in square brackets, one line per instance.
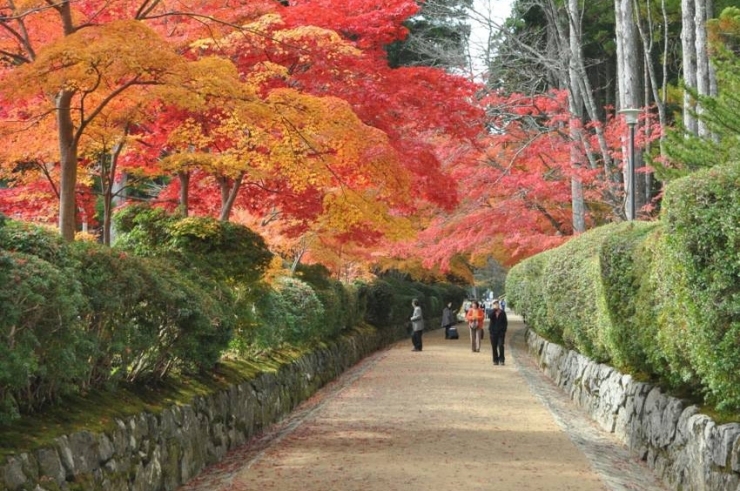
[658, 299]
[702, 217]
[204, 246]
[178, 295]
[387, 302]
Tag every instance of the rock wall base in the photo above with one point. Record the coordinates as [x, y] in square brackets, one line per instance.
[686, 449]
[160, 452]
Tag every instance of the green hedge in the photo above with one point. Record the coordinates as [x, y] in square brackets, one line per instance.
[174, 297]
[81, 316]
[702, 218]
[43, 342]
[206, 247]
[387, 301]
[659, 299]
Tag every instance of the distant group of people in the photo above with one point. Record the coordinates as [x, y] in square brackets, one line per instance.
[497, 325]
[475, 316]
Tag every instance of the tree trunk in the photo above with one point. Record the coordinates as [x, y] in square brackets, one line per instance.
[184, 178]
[298, 253]
[109, 190]
[67, 145]
[228, 196]
[118, 196]
[575, 101]
[68, 163]
[107, 212]
[582, 83]
[703, 85]
[688, 44]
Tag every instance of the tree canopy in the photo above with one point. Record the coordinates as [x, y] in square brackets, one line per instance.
[348, 133]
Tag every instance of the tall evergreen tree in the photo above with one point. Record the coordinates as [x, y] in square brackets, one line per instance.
[438, 36]
[720, 114]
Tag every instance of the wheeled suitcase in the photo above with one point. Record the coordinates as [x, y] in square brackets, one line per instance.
[452, 333]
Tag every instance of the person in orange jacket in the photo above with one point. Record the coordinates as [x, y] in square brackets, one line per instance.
[475, 317]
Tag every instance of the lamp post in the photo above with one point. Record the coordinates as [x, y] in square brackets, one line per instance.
[630, 117]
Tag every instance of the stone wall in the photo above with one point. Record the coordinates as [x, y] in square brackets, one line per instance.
[154, 452]
[687, 450]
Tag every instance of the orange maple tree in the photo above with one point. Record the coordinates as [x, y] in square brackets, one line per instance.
[69, 61]
[284, 112]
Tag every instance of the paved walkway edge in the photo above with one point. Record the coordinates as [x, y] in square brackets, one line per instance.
[619, 470]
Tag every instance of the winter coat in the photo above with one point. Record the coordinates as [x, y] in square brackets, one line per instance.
[417, 320]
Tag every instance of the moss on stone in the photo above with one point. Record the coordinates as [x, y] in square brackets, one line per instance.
[97, 411]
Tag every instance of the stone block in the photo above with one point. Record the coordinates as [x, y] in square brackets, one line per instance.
[13, 475]
[50, 465]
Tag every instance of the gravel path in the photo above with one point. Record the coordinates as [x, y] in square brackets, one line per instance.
[442, 419]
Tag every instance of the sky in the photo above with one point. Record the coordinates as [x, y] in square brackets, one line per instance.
[485, 17]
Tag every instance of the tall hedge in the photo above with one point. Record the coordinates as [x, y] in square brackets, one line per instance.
[702, 217]
[387, 300]
[661, 299]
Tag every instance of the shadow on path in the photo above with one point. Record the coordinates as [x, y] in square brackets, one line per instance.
[442, 419]
[617, 468]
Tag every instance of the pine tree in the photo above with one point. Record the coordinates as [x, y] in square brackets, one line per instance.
[438, 36]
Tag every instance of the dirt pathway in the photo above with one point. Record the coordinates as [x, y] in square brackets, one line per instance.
[443, 419]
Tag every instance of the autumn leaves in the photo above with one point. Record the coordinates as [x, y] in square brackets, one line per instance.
[290, 113]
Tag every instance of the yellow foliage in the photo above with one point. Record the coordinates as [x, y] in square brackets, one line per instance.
[264, 72]
[325, 38]
[99, 59]
[85, 236]
[188, 161]
[275, 270]
[21, 7]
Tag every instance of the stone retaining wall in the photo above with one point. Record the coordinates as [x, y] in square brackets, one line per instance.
[154, 452]
[687, 450]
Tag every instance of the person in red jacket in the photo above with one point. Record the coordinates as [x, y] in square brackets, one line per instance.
[475, 317]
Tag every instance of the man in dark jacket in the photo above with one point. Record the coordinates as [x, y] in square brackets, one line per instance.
[497, 329]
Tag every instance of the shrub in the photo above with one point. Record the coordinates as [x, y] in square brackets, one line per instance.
[668, 292]
[566, 297]
[659, 299]
[220, 250]
[627, 261]
[377, 299]
[37, 241]
[42, 337]
[289, 313]
[339, 302]
[143, 230]
[525, 295]
[183, 325]
[702, 219]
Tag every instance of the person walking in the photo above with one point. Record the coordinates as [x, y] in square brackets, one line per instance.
[417, 325]
[475, 317]
[448, 319]
[497, 329]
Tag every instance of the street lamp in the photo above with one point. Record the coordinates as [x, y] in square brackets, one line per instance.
[630, 117]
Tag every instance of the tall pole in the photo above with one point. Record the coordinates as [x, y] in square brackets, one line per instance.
[630, 117]
[632, 172]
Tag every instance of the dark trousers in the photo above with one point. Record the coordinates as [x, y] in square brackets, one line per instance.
[416, 339]
[497, 343]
